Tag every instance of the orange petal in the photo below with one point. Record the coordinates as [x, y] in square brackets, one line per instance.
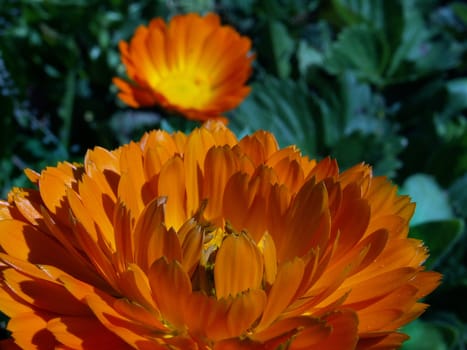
[155, 45]
[97, 253]
[351, 221]
[219, 165]
[170, 287]
[192, 246]
[247, 200]
[238, 266]
[325, 168]
[258, 198]
[290, 173]
[163, 144]
[80, 266]
[151, 238]
[32, 175]
[121, 326]
[225, 318]
[45, 295]
[311, 336]
[134, 284]
[28, 203]
[130, 187]
[105, 161]
[268, 250]
[29, 331]
[25, 242]
[237, 198]
[193, 178]
[213, 314]
[258, 147]
[172, 185]
[341, 267]
[385, 341]
[288, 279]
[84, 333]
[289, 327]
[425, 282]
[308, 223]
[99, 207]
[344, 333]
[245, 309]
[149, 318]
[378, 285]
[124, 239]
[9, 344]
[53, 185]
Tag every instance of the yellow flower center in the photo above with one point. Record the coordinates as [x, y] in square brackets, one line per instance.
[186, 90]
[212, 243]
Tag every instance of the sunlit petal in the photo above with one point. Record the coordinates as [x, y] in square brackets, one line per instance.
[202, 241]
[192, 65]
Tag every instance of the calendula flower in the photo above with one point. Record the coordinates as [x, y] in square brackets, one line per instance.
[203, 241]
[193, 65]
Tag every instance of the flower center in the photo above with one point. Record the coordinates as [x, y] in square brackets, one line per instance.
[203, 278]
[212, 243]
[186, 90]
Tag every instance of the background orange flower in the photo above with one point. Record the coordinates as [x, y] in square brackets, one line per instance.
[193, 65]
[203, 241]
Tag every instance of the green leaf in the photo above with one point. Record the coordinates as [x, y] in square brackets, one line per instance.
[431, 200]
[457, 94]
[347, 106]
[66, 109]
[279, 106]
[369, 148]
[423, 336]
[458, 195]
[282, 47]
[439, 237]
[413, 32]
[353, 124]
[361, 49]
[436, 55]
[307, 56]
[247, 6]
[385, 15]
[283, 10]
[460, 9]
[200, 6]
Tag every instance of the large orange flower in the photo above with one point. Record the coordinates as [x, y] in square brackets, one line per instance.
[193, 65]
[202, 241]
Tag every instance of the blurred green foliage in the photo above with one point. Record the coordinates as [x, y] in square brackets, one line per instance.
[381, 81]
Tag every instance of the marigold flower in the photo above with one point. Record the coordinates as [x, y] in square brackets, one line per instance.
[193, 65]
[203, 241]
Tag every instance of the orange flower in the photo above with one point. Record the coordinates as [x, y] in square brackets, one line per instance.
[192, 65]
[202, 241]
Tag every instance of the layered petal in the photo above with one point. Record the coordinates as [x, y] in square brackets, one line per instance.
[203, 241]
[192, 65]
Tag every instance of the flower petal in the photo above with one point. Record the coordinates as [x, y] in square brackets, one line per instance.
[170, 287]
[344, 335]
[84, 333]
[151, 238]
[289, 276]
[238, 267]
[193, 65]
[245, 309]
[29, 331]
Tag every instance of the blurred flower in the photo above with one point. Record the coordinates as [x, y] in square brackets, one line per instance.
[203, 241]
[193, 65]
